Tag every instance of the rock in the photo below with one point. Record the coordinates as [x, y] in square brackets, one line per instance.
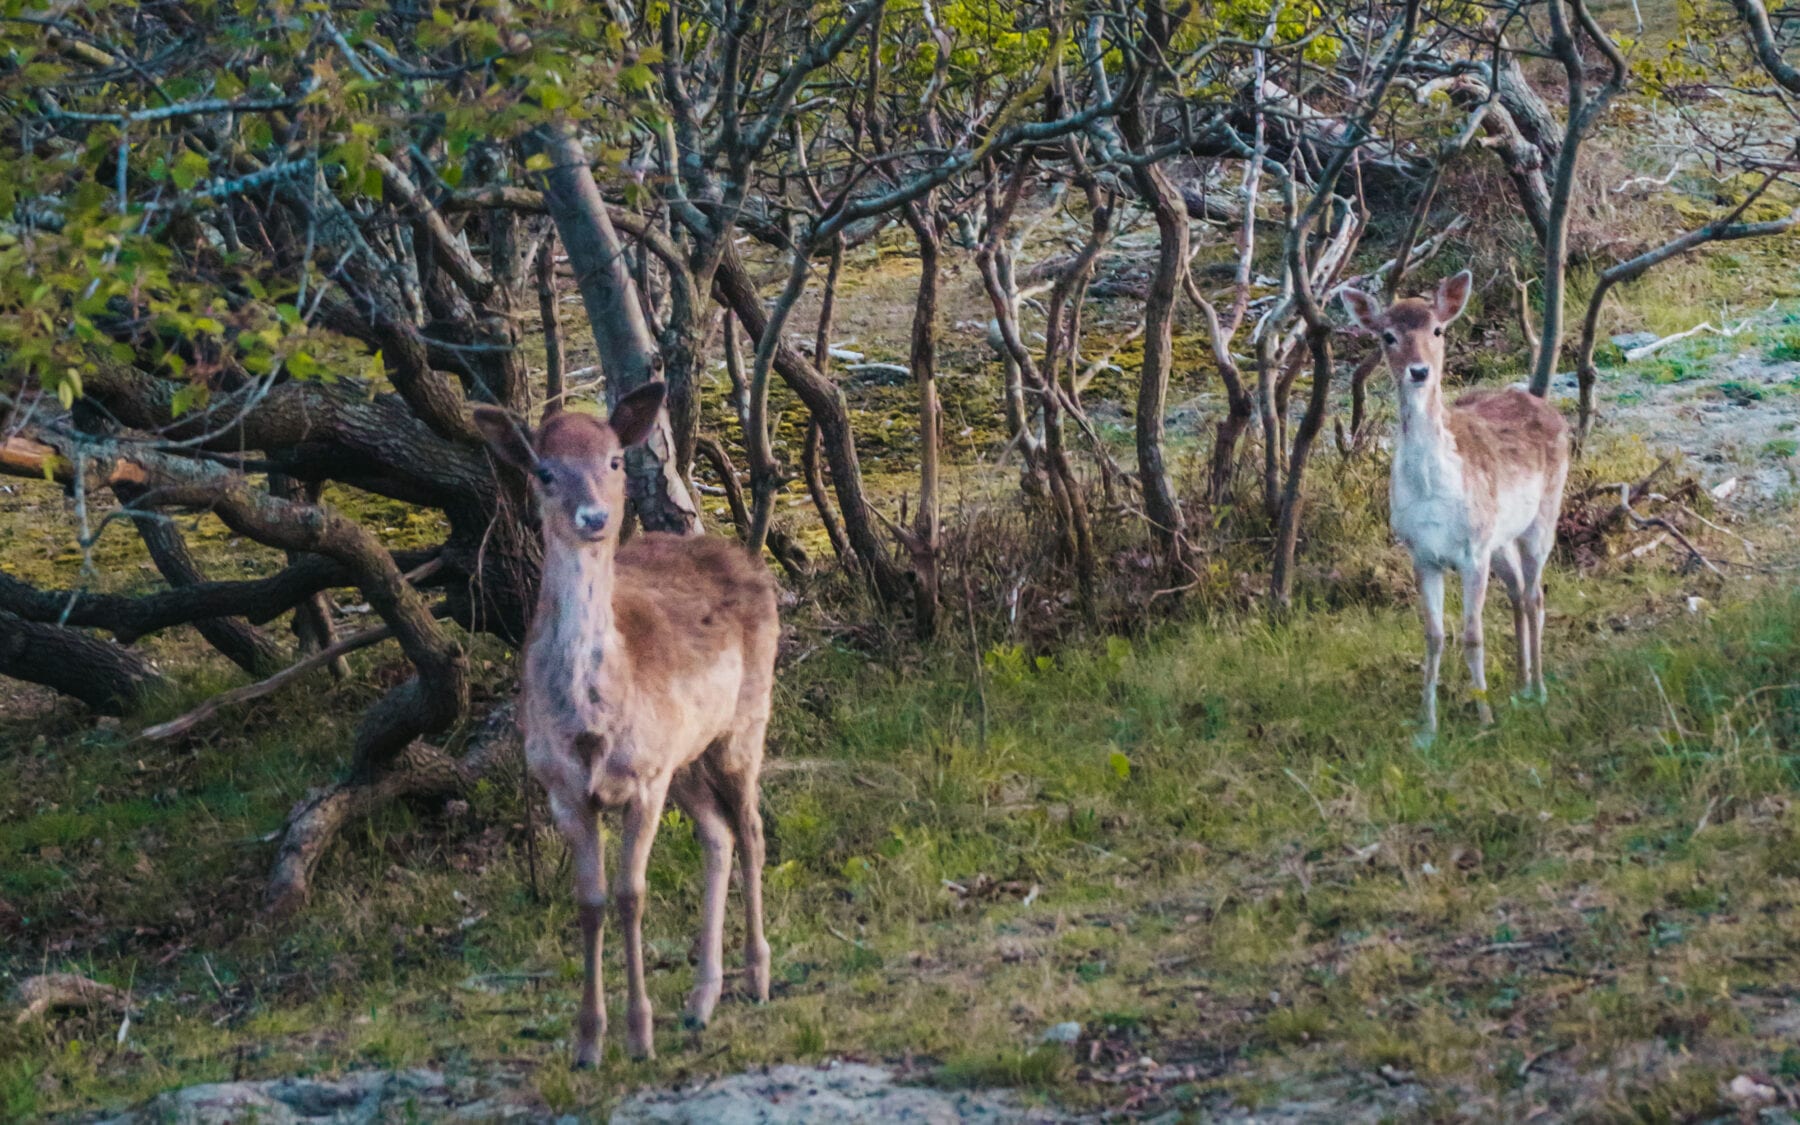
[848, 1093]
[358, 1098]
[1629, 340]
[57, 991]
[1063, 1033]
[1749, 1094]
[851, 1093]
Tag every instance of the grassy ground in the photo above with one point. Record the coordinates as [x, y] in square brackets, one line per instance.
[1217, 848]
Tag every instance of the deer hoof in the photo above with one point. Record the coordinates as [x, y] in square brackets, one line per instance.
[700, 1006]
[639, 1043]
[757, 974]
[587, 1056]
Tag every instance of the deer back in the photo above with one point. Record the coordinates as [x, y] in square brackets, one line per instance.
[1510, 441]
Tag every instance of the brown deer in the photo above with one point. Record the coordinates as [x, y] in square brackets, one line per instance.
[647, 675]
[1475, 485]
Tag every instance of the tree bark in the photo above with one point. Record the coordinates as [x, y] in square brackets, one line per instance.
[1584, 110]
[236, 639]
[1287, 530]
[551, 315]
[108, 678]
[627, 353]
[809, 452]
[921, 541]
[1160, 503]
[312, 626]
[1762, 39]
[420, 771]
[814, 470]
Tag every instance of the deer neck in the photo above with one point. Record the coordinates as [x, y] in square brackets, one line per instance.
[1422, 417]
[573, 630]
[1425, 458]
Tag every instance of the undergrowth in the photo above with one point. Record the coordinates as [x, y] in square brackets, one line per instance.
[1214, 845]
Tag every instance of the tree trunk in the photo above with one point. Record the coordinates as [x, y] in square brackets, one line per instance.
[1160, 503]
[922, 541]
[1584, 110]
[1287, 532]
[110, 679]
[312, 625]
[239, 641]
[627, 352]
[814, 469]
[810, 466]
[551, 316]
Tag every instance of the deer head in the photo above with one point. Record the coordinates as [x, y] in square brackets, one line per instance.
[1412, 330]
[575, 461]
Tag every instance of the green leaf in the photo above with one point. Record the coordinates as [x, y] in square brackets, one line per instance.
[636, 78]
[189, 169]
[1121, 765]
[538, 162]
[188, 398]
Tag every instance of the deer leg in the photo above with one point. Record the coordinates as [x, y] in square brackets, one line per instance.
[1535, 550]
[1475, 580]
[642, 812]
[713, 830]
[1431, 608]
[580, 827]
[1506, 568]
[740, 794]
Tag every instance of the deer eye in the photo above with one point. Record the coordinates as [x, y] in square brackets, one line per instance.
[1438, 331]
[617, 461]
[544, 475]
[1389, 339]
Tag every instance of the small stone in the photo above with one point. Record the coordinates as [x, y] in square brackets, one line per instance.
[1067, 1032]
[1749, 1094]
[1626, 341]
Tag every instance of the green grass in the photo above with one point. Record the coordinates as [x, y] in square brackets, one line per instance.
[1239, 855]
[1786, 349]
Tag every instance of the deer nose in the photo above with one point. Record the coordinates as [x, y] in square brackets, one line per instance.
[590, 519]
[1419, 372]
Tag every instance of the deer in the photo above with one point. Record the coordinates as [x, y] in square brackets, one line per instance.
[1476, 487]
[648, 669]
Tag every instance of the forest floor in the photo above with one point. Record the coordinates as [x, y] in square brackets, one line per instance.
[1202, 868]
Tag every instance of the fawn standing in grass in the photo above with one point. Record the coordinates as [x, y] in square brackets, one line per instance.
[1477, 484]
[647, 675]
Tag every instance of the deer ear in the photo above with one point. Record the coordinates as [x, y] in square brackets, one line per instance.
[1363, 309]
[636, 413]
[1452, 296]
[506, 437]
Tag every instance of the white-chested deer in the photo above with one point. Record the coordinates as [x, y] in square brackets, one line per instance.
[647, 675]
[1476, 485]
